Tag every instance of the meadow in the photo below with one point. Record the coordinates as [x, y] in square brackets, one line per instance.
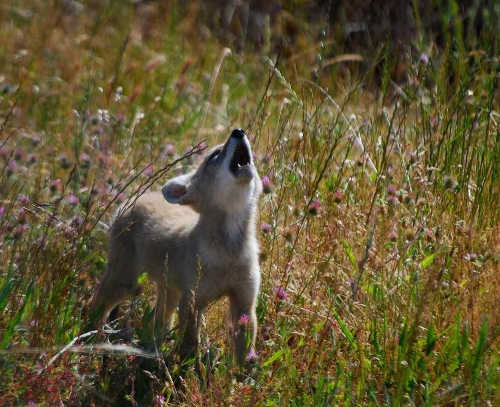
[379, 226]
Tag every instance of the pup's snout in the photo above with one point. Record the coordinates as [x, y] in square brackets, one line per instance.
[238, 133]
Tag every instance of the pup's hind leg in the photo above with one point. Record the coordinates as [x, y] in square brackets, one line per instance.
[115, 287]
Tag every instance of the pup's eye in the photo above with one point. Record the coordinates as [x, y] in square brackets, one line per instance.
[213, 155]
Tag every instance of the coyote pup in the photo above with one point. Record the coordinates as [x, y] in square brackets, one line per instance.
[203, 223]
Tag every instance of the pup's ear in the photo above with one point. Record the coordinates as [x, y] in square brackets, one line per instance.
[178, 190]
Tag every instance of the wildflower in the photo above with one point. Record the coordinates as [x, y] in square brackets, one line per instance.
[64, 162]
[338, 196]
[139, 116]
[393, 201]
[470, 256]
[266, 228]
[429, 234]
[23, 199]
[2, 211]
[12, 167]
[267, 186]
[314, 207]
[21, 215]
[243, 319]
[280, 293]
[424, 58]
[251, 356]
[18, 154]
[77, 221]
[19, 231]
[4, 152]
[159, 400]
[201, 147]
[393, 236]
[85, 160]
[391, 189]
[169, 150]
[72, 199]
[148, 171]
[103, 115]
[118, 94]
[69, 232]
[55, 185]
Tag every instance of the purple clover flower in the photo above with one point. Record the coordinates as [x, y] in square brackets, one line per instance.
[23, 199]
[280, 293]
[72, 200]
[251, 356]
[267, 186]
[266, 228]
[314, 207]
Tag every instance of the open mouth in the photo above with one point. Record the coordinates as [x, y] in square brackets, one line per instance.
[241, 159]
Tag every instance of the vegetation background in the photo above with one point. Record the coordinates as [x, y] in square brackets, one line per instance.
[380, 287]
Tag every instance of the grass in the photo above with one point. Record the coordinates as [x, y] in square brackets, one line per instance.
[378, 288]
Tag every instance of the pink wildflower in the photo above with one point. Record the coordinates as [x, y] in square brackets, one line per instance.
[266, 228]
[267, 186]
[243, 319]
[470, 256]
[280, 293]
[391, 189]
[19, 231]
[251, 356]
[338, 196]
[169, 150]
[72, 200]
[23, 199]
[393, 236]
[314, 207]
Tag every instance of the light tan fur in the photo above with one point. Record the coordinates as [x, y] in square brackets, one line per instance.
[196, 240]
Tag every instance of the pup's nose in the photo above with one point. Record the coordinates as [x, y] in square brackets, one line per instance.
[238, 133]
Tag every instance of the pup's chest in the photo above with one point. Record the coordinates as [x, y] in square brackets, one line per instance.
[225, 259]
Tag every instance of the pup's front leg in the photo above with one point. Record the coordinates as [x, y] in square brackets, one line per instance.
[244, 321]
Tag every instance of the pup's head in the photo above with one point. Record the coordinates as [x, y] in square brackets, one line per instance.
[226, 180]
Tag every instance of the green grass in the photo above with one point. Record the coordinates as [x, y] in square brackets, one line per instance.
[377, 288]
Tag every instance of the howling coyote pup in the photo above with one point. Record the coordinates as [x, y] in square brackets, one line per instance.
[203, 225]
